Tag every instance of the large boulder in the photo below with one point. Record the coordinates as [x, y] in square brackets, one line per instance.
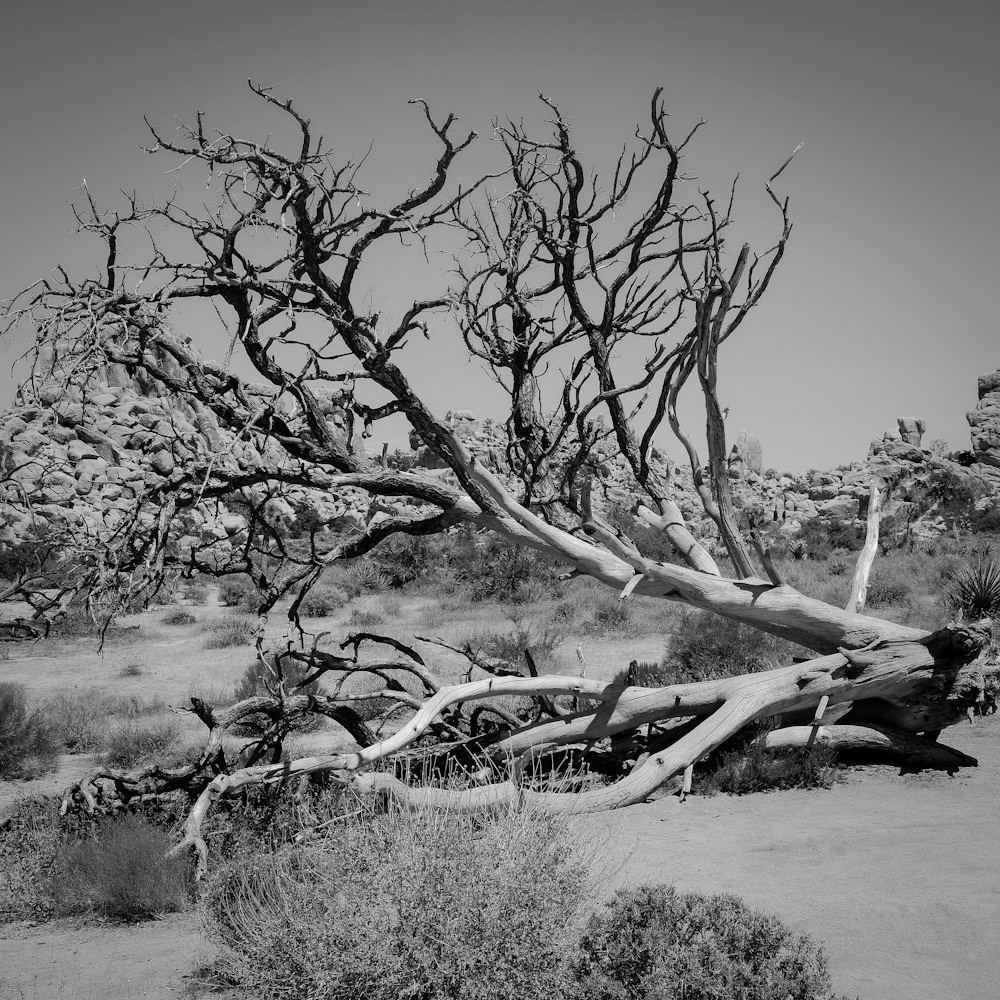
[984, 420]
[746, 456]
[911, 430]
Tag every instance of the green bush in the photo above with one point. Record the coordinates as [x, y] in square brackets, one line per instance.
[399, 905]
[121, 872]
[704, 646]
[240, 592]
[322, 600]
[132, 742]
[654, 942]
[539, 636]
[230, 630]
[28, 741]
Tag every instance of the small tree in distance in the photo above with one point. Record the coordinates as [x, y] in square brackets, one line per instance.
[557, 278]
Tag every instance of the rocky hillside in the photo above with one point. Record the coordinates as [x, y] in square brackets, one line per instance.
[83, 454]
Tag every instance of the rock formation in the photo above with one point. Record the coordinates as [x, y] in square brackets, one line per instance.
[984, 421]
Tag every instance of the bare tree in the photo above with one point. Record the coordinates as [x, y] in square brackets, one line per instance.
[556, 277]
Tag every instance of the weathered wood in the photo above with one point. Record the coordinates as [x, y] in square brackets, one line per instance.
[862, 571]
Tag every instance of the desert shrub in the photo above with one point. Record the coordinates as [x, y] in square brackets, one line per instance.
[498, 571]
[80, 718]
[820, 537]
[974, 589]
[230, 630]
[260, 678]
[986, 521]
[757, 769]
[121, 872]
[125, 745]
[888, 584]
[241, 592]
[178, 616]
[704, 646]
[609, 615]
[655, 942]
[401, 559]
[29, 842]
[196, 590]
[323, 599]
[397, 904]
[28, 741]
[539, 636]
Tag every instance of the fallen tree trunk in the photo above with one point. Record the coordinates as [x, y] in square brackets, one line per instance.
[932, 672]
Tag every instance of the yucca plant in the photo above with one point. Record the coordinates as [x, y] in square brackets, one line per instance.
[974, 589]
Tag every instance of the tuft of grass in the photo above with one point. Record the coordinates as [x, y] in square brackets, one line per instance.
[133, 668]
[29, 744]
[233, 629]
[366, 617]
[653, 942]
[397, 904]
[121, 872]
[536, 634]
[132, 742]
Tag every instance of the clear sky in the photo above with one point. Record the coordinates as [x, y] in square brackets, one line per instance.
[884, 306]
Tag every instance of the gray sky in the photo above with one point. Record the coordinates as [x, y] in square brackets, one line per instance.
[881, 309]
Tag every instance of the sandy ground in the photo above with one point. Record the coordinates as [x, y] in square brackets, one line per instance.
[894, 874]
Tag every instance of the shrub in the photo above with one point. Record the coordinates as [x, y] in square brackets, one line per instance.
[888, 584]
[178, 616]
[28, 741]
[133, 668]
[974, 589]
[704, 646]
[397, 905]
[757, 769]
[29, 842]
[322, 600]
[230, 630]
[127, 744]
[240, 592]
[611, 615]
[121, 872]
[540, 637]
[654, 942]
[366, 617]
[80, 718]
[500, 571]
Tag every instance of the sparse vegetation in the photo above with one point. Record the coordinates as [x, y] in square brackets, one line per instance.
[28, 740]
[233, 629]
[128, 744]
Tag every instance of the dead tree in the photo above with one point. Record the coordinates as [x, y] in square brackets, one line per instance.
[594, 303]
